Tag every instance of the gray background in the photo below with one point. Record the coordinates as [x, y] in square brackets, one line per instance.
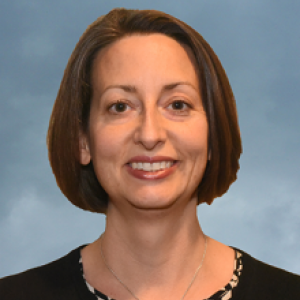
[258, 43]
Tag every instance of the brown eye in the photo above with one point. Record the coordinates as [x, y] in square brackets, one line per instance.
[178, 105]
[119, 107]
[179, 108]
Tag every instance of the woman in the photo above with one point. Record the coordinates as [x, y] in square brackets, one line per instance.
[144, 128]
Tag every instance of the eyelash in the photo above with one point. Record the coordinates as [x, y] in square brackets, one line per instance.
[181, 102]
[112, 107]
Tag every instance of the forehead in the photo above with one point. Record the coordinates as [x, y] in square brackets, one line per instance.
[141, 57]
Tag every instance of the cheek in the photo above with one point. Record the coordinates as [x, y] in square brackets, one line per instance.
[195, 138]
[105, 144]
[105, 152]
[198, 153]
[110, 146]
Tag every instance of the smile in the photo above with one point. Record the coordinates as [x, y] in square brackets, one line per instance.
[151, 167]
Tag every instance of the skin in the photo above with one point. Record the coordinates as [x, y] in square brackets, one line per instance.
[152, 227]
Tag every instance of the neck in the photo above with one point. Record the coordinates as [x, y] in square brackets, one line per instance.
[156, 254]
[152, 236]
[151, 250]
[154, 245]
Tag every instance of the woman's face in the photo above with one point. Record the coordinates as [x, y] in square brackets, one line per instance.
[148, 130]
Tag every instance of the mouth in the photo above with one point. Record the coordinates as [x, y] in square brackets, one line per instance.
[158, 167]
[152, 167]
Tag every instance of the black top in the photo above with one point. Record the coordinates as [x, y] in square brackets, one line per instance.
[62, 279]
[225, 293]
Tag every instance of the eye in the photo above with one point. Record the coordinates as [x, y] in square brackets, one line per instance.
[119, 107]
[179, 107]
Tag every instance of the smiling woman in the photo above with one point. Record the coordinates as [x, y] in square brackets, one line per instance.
[147, 111]
[83, 82]
[144, 128]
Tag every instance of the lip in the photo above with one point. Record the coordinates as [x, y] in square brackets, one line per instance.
[140, 174]
[150, 159]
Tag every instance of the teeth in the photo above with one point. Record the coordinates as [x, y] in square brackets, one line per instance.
[156, 166]
[147, 167]
[151, 167]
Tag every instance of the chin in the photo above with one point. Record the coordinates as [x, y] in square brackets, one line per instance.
[152, 206]
[154, 203]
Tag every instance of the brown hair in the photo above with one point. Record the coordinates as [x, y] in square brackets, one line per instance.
[71, 110]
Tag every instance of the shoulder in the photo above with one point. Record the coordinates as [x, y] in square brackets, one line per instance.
[263, 281]
[50, 281]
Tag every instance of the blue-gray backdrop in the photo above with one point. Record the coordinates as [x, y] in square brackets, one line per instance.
[258, 42]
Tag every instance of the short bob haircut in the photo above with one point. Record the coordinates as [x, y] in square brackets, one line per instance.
[70, 114]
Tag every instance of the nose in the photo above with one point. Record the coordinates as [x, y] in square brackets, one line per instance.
[150, 131]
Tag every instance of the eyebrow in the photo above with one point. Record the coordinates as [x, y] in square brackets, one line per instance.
[132, 89]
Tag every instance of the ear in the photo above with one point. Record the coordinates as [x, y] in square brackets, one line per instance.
[84, 149]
